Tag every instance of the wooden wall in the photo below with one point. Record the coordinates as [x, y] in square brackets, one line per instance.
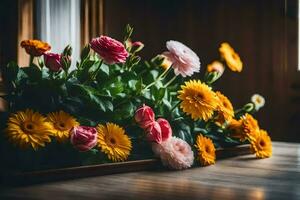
[257, 29]
[264, 32]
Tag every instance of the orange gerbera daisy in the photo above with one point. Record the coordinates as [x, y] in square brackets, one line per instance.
[35, 47]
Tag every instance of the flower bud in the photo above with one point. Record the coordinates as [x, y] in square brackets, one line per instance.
[53, 61]
[154, 132]
[144, 116]
[166, 130]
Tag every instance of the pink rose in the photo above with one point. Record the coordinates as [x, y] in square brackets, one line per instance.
[144, 116]
[174, 153]
[84, 138]
[110, 50]
[53, 61]
[185, 61]
[154, 132]
[166, 130]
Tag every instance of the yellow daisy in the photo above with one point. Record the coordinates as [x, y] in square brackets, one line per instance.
[231, 58]
[261, 145]
[28, 128]
[61, 123]
[206, 150]
[114, 142]
[225, 109]
[250, 125]
[198, 100]
[245, 128]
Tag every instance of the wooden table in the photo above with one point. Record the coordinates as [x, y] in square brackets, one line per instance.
[242, 177]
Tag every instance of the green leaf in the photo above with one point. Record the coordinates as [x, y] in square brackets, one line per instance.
[85, 52]
[104, 68]
[33, 72]
[11, 71]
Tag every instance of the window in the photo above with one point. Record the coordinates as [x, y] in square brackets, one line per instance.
[58, 23]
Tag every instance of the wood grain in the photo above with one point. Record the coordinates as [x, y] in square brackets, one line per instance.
[25, 178]
[242, 177]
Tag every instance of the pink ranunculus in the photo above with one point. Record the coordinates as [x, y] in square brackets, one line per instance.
[154, 132]
[53, 61]
[166, 130]
[144, 116]
[174, 153]
[84, 138]
[185, 61]
[110, 50]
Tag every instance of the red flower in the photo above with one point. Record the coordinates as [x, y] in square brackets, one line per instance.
[144, 116]
[84, 138]
[110, 50]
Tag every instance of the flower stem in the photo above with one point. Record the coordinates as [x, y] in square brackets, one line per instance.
[97, 70]
[170, 81]
[31, 60]
[162, 76]
[175, 106]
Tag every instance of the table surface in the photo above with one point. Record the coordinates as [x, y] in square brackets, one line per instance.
[242, 177]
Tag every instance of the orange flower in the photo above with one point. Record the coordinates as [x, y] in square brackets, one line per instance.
[244, 128]
[35, 47]
[225, 109]
[261, 144]
[231, 58]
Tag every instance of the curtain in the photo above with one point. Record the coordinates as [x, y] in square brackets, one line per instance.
[58, 23]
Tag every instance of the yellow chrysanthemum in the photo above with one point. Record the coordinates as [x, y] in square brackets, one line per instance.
[198, 100]
[225, 109]
[114, 142]
[206, 150]
[261, 145]
[244, 128]
[231, 58]
[250, 125]
[28, 128]
[35, 47]
[61, 124]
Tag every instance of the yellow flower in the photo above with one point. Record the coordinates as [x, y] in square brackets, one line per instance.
[35, 47]
[166, 62]
[231, 58]
[225, 109]
[261, 145]
[61, 124]
[28, 128]
[198, 100]
[206, 150]
[216, 66]
[114, 142]
[250, 125]
[245, 128]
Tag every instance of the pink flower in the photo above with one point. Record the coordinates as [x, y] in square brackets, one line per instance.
[174, 153]
[166, 130]
[144, 116]
[110, 50]
[185, 61]
[154, 132]
[84, 138]
[53, 61]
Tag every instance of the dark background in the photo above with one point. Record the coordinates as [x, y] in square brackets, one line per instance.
[263, 32]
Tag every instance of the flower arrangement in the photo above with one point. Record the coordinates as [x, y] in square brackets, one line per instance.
[114, 106]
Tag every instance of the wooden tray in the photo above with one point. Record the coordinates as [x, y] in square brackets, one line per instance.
[103, 169]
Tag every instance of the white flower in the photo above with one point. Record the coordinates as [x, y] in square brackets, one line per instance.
[174, 153]
[185, 61]
[258, 100]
